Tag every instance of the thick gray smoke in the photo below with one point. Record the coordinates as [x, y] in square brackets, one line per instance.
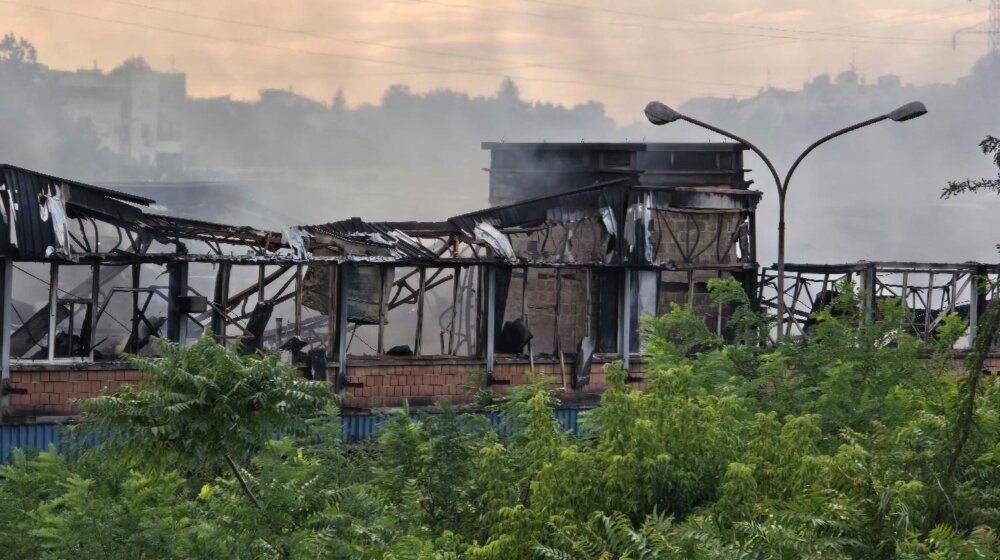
[287, 159]
[872, 194]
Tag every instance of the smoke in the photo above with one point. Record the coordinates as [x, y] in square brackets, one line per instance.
[872, 194]
[286, 159]
[411, 157]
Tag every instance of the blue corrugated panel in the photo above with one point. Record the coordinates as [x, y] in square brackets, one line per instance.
[568, 417]
[25, 437]
[354, 428]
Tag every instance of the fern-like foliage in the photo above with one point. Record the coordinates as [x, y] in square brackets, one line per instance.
[202, 403]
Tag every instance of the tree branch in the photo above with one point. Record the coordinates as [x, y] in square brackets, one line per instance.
[243, 482]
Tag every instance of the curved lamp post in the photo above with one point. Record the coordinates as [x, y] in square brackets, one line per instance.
[660, 114]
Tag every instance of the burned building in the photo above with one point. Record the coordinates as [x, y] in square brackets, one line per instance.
[581, 240]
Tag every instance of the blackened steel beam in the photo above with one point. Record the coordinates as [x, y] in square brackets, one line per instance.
[421, 291]
[383, 282]
[177, 288]
[95, 297]
[625, 318]
[298, 300]
[53, 304]
[490, 302]
[220, 300]
[454, 311]
[6, 292]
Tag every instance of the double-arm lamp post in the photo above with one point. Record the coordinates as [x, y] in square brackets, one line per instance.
[660, 114]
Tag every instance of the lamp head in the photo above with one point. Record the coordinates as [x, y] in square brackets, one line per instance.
[909, 111]
[658, 113]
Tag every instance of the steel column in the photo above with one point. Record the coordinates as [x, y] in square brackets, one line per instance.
[177, 288]
[53, 305]
[625, 315]
[6, 300]
[491, 292]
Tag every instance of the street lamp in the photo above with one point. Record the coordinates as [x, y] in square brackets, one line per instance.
[660, 114]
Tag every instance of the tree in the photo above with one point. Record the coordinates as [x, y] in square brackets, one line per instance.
[17, 49]
[990, 146]
[990, 322]
[204, 406]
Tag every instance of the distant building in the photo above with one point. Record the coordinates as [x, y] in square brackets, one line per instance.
[136, 111]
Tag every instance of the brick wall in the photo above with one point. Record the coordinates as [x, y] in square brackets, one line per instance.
[424, 384]
[34, 394]
[49, 393]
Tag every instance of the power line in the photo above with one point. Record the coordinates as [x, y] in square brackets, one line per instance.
[203, 35]
[769, 42]
[364, 59]
[510, 65]
[658, 27]
[659, 17]
[303, 32]
[737, 46]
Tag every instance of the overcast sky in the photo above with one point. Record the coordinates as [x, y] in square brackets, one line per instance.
[621, 53]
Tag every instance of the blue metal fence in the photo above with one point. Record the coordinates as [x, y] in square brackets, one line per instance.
[354, 428]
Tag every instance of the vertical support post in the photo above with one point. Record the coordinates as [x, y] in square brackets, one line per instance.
[625, 344]
[332, 320]
[219, 306]
[750, 278]
[557, 332]
[690, 279]
[590, 310]
[260, 282]
[556, 315]
[6, 299]
[341, 314]
[902, 291]
[868, 286]
[480, 309]
[954, 292]
[383, 284]
[491, 292]
[95, 304]
[298, 300]
[927, 305]
[718, 309]
[177, 288]
[136, 272]
[69, 329]
[454, 311]
[973, 305]
[421, 288]
[53, 305]
[525, 318]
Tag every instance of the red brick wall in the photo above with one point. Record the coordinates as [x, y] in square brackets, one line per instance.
[423, 384]
[49, 393]
[390, 385]
[36, 393]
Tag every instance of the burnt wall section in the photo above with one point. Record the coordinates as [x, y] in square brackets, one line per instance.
[521, 171]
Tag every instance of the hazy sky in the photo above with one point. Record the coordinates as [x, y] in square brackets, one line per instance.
[566, 51]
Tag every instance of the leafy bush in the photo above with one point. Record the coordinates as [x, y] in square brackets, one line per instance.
[842, 445]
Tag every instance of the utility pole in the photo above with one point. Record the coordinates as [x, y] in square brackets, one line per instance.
[990, 28]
